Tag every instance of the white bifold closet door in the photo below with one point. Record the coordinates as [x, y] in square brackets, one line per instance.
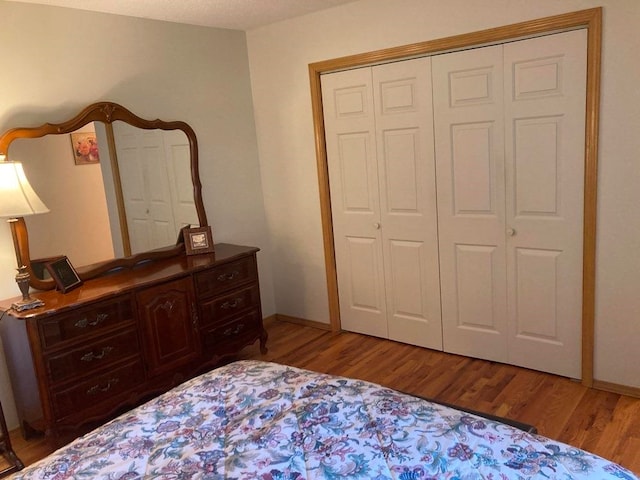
[379, 136]
[490, 266]
[509, 130]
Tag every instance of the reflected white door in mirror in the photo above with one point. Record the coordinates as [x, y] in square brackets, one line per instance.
[155, 185]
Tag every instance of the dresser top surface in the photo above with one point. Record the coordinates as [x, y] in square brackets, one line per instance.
[122, 281]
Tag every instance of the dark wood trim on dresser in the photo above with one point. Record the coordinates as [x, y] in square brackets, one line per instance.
[122, 338]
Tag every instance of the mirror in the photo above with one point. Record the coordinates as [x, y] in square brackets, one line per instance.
[119, 189]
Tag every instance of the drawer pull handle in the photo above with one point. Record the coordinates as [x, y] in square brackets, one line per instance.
[234, 330]
[97, 388]
[225, 277]
[237, 302]
[88, 357]
[84, 323]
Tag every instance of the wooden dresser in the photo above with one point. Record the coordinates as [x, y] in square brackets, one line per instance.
[125, 337]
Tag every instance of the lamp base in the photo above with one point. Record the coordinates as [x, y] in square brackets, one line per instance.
[27, 304]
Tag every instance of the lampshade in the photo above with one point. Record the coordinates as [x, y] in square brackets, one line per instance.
[17, 198]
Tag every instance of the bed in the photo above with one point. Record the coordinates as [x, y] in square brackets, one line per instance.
[261, 420]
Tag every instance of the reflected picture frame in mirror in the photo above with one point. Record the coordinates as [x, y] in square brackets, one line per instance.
[107, 113]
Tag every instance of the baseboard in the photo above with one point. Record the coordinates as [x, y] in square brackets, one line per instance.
[269, 320]
[617, 388]
[278, 317]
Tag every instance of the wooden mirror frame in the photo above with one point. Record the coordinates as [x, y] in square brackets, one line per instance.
[106, 112]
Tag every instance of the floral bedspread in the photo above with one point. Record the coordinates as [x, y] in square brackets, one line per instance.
[258, 420]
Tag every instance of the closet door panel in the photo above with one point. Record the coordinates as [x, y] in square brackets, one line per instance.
[408, 213]
[469, 145]
[537, 283]
[476, 284]
[355, 200]
[472, 156]
[535, 151]
[401, 171]
[545, 88]
[362, 284]
[408, 303]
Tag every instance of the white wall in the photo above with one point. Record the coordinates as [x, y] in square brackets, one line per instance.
[56, 61]
[279, 55]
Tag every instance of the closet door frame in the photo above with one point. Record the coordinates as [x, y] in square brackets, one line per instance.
[591, 20]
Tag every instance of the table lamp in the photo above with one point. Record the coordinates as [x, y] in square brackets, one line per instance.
[17, 200]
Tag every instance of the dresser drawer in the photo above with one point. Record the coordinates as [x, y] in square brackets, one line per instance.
[226, 277]
[237, 332]
[91, 356]
[84, 321]
[221, 308]
[100, 389]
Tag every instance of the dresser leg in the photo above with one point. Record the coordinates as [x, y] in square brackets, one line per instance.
[263, 342]
[29, 431]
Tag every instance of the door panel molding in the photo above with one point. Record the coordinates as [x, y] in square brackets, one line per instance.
[591, 20]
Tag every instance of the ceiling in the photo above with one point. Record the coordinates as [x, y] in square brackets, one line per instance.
[233, 14]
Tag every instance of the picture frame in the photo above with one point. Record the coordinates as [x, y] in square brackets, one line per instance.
[63, 274]
[182, 235]
[198, 240]
[85, 148]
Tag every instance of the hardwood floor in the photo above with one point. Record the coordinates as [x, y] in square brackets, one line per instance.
[606, 424]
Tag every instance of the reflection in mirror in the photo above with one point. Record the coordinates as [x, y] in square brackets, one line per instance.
[152, 182]
[77, 224]
[155, 185]
[125, 204]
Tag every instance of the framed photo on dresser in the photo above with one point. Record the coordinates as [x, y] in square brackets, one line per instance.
[63, 274]
[198, 240]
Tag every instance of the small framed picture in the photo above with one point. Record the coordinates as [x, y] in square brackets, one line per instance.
[198, 240]
[63, 274]
[85, 148]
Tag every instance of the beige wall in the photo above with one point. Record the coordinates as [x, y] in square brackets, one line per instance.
[56, 61]
[279, 56]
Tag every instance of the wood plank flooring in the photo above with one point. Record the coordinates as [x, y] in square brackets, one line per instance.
[606, 424]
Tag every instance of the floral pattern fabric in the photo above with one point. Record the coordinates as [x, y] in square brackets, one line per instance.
[254, 420]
